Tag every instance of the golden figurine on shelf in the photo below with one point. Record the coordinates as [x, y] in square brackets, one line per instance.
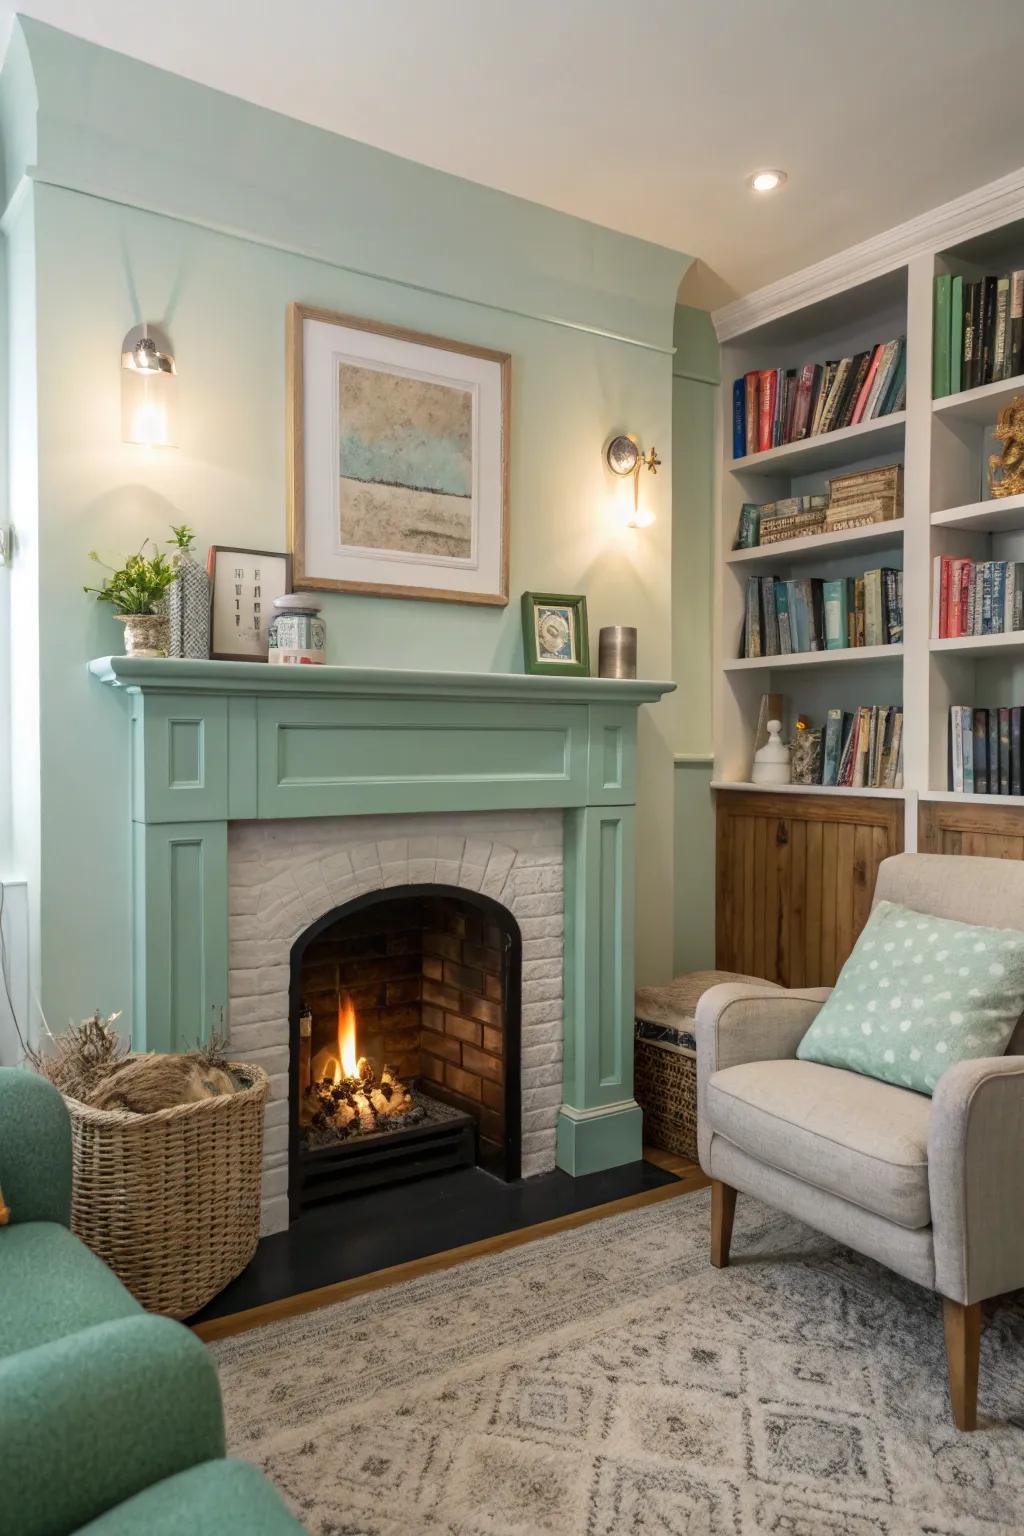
[1006, 469]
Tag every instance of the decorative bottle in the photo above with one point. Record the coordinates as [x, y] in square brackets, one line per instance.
[188, 602]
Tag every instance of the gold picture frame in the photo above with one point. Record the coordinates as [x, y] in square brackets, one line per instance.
[466, 549]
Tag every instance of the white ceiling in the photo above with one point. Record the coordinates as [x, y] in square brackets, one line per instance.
[645, 116]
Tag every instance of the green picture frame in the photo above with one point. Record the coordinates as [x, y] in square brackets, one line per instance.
[556, 639]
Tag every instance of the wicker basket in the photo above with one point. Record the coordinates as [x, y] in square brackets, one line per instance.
[171, 1200]
[665, 1079]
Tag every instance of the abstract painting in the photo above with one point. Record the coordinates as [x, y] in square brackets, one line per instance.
[399, 473]
[406, 463]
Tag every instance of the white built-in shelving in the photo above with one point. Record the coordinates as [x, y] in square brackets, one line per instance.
[881, 289]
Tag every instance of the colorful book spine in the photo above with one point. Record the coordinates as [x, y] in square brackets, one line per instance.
[956, 334]
[980, 751]
[739, 419]
[766, 408]
[833, 747]
[836, 615]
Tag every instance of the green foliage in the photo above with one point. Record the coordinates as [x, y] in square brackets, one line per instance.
[184, 536]
[136, 586]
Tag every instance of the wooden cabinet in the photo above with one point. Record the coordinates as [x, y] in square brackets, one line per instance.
[794, 878]
[988, 831]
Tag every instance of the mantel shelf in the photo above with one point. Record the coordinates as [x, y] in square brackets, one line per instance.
[149, 675]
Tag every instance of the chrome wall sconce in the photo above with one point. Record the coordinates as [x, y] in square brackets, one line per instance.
[149, 387]
[624, 458]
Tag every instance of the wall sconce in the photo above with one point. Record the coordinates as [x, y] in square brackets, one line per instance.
[148, 392]
[624, 458]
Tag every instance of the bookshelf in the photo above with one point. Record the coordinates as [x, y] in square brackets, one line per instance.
[875, 291]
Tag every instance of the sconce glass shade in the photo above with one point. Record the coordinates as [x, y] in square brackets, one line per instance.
[148, 395]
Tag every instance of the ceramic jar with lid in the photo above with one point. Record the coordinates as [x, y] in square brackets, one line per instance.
[771, 762]
[297, 635]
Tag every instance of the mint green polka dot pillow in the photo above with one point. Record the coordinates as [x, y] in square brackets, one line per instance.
[917, 994]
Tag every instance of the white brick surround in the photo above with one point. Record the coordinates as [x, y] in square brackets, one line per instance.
[284, 875]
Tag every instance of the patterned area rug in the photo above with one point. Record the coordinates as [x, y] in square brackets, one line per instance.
[608, 1380]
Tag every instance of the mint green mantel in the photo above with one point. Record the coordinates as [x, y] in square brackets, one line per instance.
[215, 742]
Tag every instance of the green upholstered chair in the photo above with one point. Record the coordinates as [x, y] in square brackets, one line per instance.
[110, 1419]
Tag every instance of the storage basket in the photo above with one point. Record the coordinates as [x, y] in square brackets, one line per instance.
[171, 1200]
[665, 1071]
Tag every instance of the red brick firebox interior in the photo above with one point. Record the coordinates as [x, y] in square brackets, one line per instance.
[426, 977]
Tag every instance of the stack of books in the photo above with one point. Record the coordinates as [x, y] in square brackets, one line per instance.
[978, 331]
[853, 501]
[864, 749]
[976, 597]
[810, 614]
[985, 750]
[772, 406]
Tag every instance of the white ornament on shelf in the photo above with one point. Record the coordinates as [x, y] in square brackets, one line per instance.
[771, 762]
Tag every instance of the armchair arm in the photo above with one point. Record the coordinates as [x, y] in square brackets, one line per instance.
[91, 1419]
[35, 1148]
[975, 1178]
[739, 1022]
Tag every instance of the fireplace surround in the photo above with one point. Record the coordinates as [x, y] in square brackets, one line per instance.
[227, 755]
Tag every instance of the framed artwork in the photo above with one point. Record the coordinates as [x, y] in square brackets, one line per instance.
[398, 472]
[244, 584]
[555, 635]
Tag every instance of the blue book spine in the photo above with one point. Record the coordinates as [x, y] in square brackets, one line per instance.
[834, 596]
[998, 596]
[739, 419]
[782, 609]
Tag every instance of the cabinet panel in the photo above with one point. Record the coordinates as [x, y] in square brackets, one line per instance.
[794, 880]
[981, 831]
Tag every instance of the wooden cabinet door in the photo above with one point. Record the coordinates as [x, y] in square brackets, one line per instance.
[794, 879]
[986, 831]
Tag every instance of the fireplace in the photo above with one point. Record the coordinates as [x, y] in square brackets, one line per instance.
[404, 1054]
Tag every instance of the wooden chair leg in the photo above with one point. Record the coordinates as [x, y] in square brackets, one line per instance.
[723, 1209]
[963, 1347]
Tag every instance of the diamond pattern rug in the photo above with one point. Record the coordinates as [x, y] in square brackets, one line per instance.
[608, 1380]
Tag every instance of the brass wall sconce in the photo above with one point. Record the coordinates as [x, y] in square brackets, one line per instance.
[624, 458]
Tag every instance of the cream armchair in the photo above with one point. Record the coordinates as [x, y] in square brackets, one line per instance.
[933, 1188]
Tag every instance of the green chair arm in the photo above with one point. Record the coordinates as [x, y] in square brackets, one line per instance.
[90, 1420]
[35, 1148]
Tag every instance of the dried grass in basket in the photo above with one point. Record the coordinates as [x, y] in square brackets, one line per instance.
[171, 1199]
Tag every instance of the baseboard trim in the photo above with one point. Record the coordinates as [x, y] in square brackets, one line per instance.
[344, 1290]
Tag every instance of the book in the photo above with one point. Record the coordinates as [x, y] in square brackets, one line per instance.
[833, 746]
[739, 419]
[956, 749]
[977, 323]
[980, 751]
[752, 619]
[988, 327]
[769, 617]
[967, 748]
[828, 374]
[835, 394]
[956, 334]
[782, 613]
[751, 382]
[1004, 752]
[836, 616]
[886, 364]
[993, 751]
[999, 333]
[865, 389]
[1015, 751]
[851, 391]
[1016, 348]
[766, 391]
[967, 335]
[940, 335]
[804, 395]
[874, 617]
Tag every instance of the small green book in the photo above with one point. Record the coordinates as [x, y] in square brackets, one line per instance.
[940, 335]
[956, 335]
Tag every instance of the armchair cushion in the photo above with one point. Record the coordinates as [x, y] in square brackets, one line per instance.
[917, 994]
[52, 1286]
[857, 1138]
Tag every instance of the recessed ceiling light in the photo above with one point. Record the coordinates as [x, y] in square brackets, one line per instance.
[766, 181]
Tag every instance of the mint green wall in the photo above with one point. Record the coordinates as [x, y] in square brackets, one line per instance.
[694, 457]
[153, 198]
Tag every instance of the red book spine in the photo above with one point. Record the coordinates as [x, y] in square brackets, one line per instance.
[865, 389]
[803, 402]
[944, 598]
[750, 379]
[956, 575]
[766, 418]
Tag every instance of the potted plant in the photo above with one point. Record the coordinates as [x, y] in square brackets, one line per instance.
[134, 590]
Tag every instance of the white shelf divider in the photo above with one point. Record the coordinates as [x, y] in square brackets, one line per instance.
[979, 405]
[828, 450]
[1003, 514]
[980, 645]
[846, 656]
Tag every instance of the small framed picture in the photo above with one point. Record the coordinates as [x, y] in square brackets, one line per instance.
[555, 637]
[244, 584]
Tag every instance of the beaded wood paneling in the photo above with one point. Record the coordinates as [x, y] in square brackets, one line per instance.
[794, 878]
[987, 831]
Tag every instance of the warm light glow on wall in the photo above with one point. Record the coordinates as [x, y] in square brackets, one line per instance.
[148, 393]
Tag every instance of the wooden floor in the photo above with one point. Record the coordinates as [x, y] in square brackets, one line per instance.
[688, 1179]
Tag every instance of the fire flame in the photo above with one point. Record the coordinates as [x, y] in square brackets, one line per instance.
[346, 1063]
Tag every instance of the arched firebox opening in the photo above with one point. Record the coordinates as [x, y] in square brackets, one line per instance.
[404, 1030]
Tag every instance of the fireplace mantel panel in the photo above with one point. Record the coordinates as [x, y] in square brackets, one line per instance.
[216, 742]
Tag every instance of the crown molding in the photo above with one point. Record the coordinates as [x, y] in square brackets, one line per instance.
[985, 208]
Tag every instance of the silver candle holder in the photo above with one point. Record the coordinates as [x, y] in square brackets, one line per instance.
[616, 651]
